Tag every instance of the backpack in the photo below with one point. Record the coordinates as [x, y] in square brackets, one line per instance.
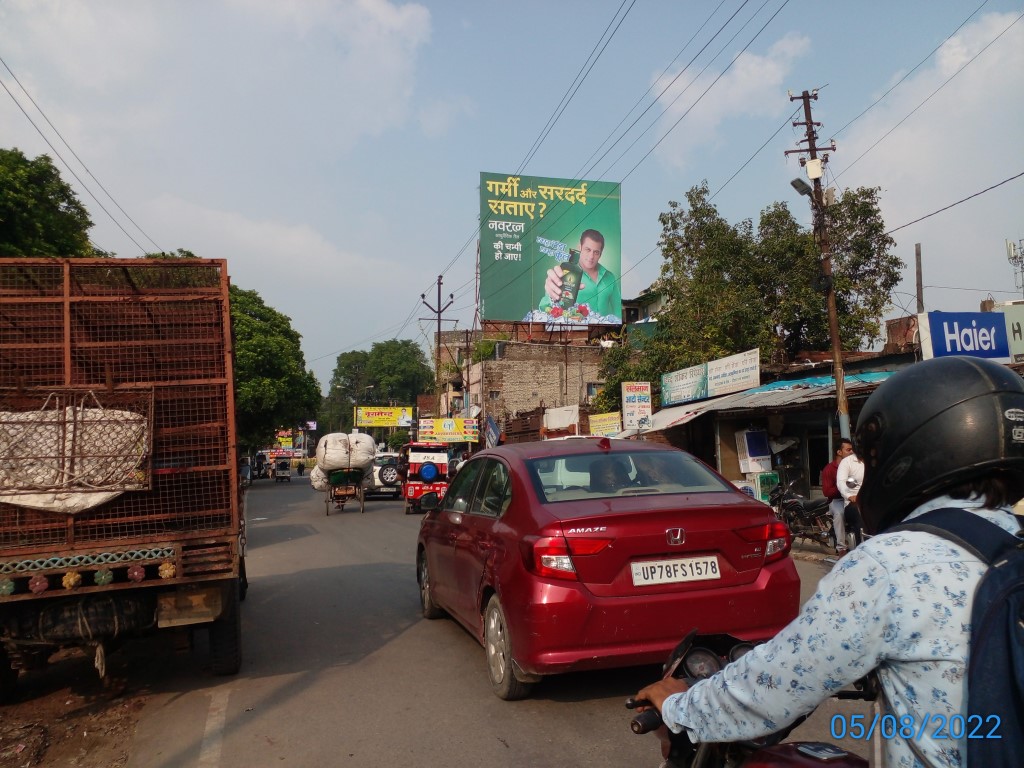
[995, 675]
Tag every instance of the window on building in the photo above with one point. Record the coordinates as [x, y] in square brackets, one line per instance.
[593, 388]
[493, 394]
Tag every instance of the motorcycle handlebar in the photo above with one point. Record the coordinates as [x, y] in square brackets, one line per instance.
[647, 721]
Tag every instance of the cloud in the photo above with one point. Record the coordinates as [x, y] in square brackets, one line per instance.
[955, 139]
[751, 88]
[437, 117]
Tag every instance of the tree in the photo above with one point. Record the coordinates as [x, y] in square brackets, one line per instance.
[40, 215]
[393, 372]
[273, 389]
[729, 288]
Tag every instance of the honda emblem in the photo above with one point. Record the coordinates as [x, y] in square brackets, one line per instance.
[675, 536]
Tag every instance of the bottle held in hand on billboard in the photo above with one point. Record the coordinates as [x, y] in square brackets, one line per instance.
[572, 273]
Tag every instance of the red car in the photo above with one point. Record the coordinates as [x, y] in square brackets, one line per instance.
[583, 554]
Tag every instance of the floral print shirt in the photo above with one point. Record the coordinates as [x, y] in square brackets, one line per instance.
[900, 602]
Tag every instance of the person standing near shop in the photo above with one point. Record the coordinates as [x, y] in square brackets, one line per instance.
[830, 490]
[849, 478]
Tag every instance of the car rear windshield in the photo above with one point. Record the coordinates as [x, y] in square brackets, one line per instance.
[594, 476]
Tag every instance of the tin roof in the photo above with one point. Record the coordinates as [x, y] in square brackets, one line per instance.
[778, 395]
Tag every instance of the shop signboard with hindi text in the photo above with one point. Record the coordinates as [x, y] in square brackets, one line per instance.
[636, 404]
[530, 225]
[718, 377]
[606, 424]
[377, 416]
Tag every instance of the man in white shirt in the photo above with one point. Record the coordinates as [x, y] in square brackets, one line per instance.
[849, 479]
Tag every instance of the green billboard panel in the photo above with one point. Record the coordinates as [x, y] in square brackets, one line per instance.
[550, 250]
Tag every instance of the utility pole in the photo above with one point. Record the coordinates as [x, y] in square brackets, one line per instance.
[815, 167]
[437, 356]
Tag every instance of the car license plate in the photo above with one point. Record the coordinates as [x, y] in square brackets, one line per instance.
[677, 570]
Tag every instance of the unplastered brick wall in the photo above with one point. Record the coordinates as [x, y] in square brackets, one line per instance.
[529, 375]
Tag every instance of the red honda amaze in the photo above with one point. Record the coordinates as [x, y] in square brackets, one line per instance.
[583, 554]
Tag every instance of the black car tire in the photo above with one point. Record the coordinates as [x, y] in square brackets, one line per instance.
[498, 649]
[430, 608]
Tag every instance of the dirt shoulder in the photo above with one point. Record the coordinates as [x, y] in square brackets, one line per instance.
[64, 715]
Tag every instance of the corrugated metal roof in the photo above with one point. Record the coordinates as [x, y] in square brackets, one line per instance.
[778, 394]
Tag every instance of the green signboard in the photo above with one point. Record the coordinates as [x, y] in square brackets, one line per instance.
[550, 250]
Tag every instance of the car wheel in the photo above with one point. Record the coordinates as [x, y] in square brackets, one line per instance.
[389, 474]
[430, 609]
[499, 654]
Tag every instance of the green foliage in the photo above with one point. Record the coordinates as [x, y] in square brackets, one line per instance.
[392, 372]
[397, 439]
[273, 389]
[730, 288]
[40, 215]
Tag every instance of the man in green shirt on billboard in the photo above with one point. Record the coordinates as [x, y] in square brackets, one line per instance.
[598, 287]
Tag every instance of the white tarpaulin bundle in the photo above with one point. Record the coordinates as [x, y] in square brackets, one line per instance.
[338, 450]
[70, 459]
[318, 479]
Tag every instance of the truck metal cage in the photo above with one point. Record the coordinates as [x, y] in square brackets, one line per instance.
[140, 341]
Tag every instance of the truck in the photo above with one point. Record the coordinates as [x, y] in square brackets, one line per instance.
[121, 491]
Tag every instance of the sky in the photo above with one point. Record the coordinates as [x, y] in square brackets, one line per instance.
[331, 150]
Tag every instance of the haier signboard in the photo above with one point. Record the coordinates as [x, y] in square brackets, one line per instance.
[975, 334]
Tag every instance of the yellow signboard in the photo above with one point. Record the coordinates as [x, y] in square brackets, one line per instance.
[606, 424]
[449, 430]
[376, 416]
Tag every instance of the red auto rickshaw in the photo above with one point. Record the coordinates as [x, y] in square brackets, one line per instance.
[423, 468]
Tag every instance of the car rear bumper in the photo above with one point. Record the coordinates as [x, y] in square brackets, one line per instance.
[562, 628]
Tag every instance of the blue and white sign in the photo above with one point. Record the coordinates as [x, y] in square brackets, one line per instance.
[975, 334]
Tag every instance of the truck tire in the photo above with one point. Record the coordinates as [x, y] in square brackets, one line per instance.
[226, 635]
[243, 581]
[8, 678]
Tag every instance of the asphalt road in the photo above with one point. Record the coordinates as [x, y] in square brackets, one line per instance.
[340, 669]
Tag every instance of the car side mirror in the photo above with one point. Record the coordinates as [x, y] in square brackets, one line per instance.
[430, 501]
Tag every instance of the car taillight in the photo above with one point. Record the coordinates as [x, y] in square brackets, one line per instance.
[776, 537]
[552, 556]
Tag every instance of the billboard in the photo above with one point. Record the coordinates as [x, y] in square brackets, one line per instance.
[376, 416]
[719, 377]
[540, 234]
[1015, 331]
[976, 334]
[449, 430]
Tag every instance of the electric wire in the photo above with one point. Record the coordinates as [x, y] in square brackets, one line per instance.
[912, 71]
[75, 154]
[929, 97]
[958, 202]
[70, 169]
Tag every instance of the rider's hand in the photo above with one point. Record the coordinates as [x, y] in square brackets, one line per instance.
[553, 284]
[656, 693]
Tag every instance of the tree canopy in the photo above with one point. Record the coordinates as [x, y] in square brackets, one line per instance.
[40, 215]
[273, 389]
[393, 372]
[730, 288]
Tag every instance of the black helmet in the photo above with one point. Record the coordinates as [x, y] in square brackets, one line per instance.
[933, 426]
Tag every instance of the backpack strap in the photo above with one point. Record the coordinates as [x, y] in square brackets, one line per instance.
[987, 542]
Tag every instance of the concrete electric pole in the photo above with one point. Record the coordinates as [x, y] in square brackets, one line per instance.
[815, 167]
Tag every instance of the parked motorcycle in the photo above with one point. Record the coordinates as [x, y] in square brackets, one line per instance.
[695, 663]
[808, 519]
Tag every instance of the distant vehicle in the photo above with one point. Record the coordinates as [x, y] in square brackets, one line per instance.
[386, 480]
[282, 471]
[423, 468]
[568, 555]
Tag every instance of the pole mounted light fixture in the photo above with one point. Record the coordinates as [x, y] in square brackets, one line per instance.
[802, 187]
